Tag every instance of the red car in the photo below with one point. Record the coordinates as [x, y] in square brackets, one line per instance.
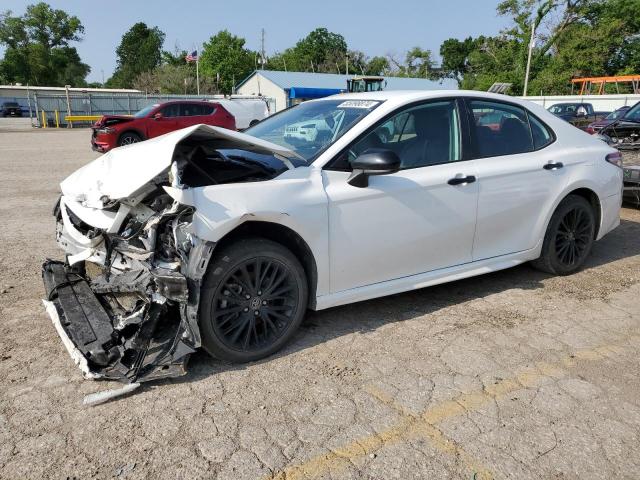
[116, 130]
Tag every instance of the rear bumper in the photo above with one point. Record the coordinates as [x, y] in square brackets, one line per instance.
[610, 214]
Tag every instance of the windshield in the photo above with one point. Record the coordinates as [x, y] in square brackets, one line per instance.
[616, 114]
[310, 127]
[633, 113]
[145, 111]
[10, 104]
[563, 108]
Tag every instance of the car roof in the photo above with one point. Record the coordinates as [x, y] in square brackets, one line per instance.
[408, 96]
[186, 100]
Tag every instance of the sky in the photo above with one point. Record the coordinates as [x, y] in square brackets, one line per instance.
[376, 27]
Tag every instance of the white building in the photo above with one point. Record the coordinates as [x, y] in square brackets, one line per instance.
[287, 88]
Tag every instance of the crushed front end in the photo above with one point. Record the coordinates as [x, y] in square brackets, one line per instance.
[125, 301]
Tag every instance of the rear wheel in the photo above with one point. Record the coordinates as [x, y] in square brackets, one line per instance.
[569, 237]
[128, 138]
[253, 299]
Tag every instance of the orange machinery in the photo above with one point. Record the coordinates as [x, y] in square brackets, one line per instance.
[588, 84]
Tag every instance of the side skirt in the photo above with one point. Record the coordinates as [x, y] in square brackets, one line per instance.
[428, 279]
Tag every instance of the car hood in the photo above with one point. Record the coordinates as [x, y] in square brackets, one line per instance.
[110, 120]
[123, 171]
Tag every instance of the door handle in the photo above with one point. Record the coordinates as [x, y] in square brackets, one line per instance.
[553, 166]
[461, 180]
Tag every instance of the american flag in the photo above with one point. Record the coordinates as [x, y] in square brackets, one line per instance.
[192, 57]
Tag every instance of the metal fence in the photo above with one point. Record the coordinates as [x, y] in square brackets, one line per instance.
[59, 106]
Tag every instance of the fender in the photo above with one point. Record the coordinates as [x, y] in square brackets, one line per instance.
[295, 199]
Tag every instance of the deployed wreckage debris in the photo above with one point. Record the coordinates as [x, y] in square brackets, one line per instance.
[624, 134]
[125, 302]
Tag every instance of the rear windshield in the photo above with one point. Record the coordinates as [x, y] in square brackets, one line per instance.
[11, 104]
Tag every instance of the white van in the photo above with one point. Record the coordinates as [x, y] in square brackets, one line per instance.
[248, 110]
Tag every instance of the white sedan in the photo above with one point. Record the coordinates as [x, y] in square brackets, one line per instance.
[207, 237]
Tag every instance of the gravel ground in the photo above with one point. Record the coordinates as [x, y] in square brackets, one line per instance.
[511, 375]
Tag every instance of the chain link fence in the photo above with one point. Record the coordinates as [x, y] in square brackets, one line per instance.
[53, 108]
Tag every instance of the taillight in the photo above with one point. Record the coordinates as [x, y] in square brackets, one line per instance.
[614, 158]
[590, 130]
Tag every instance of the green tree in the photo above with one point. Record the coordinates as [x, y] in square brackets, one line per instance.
[37, 47]
[573, 38]
[140, 50]
[418, 63]
[377, 66]
[320, 51]
[170, 78]
[455, 57]
[225, 57]
[177, 57]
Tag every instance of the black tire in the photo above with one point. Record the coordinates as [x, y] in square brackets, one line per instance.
[127, 138]
[273, 279]
[569, 237]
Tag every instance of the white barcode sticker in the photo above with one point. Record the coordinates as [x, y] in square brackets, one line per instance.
[358, 104]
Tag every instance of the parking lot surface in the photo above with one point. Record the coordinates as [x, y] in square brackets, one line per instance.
[515, 374]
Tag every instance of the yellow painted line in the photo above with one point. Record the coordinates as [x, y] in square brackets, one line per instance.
[418, 428]
[412, 426]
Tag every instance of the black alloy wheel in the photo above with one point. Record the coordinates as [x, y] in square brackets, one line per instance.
[573, 236]
[253, 299]
[569, 237]
[128, 138]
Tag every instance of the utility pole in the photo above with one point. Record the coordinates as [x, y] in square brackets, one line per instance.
[346, 60]
[198, 73]
[531, 44]
[262, 54]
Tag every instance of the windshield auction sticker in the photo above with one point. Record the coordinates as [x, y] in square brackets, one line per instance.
[358, 104]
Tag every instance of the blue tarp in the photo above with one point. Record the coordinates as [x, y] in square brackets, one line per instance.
[300, 92]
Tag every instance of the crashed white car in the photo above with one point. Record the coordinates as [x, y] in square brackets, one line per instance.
[210, 238]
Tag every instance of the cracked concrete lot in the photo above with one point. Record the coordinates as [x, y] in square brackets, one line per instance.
[511, 375]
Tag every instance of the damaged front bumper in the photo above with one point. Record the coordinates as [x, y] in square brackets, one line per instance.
[126, 306]
[98, 342]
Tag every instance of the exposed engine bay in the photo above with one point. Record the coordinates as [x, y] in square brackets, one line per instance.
[623, 134]
[125, 301]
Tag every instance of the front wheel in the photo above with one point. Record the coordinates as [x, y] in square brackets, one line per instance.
[569, 237]
[253, 299]
[128, 138]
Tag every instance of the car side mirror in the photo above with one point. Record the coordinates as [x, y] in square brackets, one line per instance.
[158, 116]
[374, 161]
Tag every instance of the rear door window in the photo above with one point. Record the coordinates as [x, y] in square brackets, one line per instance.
[500, 129]
[542, 136]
